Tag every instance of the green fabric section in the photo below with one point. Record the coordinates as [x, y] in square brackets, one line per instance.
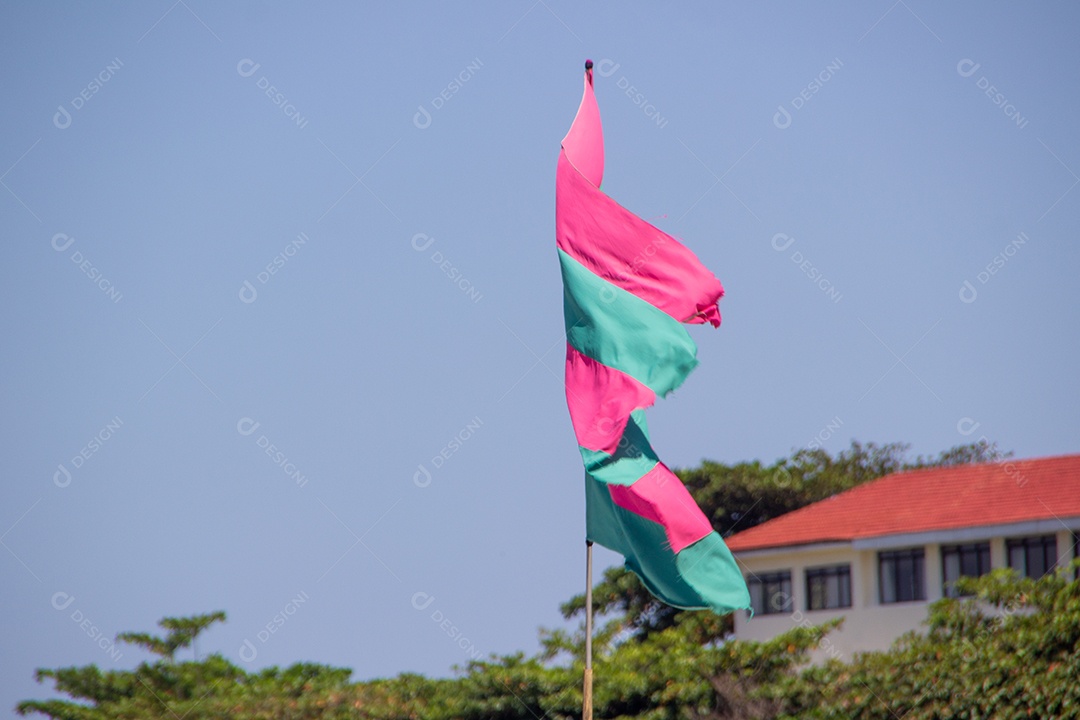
[601, 517]
[709, 568]
[622, 331]
[632, 459]
[702, 576]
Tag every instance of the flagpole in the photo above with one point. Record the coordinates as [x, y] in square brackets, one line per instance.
[586, 705]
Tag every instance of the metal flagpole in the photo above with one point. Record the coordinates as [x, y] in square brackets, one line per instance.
[586, 702]
[586, 705]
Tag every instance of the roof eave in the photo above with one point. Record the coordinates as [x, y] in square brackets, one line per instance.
[800, 547]
[1043, 526]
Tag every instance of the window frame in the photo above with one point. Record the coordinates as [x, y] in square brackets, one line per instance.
[918, 576]
[982, 550]
[782, 578]
[840, 571]
[1029, 542]
[1076, 552]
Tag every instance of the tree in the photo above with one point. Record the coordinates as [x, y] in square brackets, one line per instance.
[182, 633]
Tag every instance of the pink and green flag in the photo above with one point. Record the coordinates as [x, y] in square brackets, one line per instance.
[628, 288]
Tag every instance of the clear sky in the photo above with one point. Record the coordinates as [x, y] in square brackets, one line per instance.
[282, 311]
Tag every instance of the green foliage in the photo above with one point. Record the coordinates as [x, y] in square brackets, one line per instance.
[182, 633]
[672, 675]
[1010, 650]
[211, 688]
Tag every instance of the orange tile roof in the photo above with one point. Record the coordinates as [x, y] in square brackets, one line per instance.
[932, 499]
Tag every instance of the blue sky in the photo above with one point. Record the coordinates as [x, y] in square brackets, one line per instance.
[329, 229]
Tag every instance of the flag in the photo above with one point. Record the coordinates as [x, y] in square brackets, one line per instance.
[628, 288]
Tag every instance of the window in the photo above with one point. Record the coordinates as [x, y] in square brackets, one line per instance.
[828, 587]
[901, 575]
[963, 561]
[1076, 554]
[770, 593]
[1032, 556]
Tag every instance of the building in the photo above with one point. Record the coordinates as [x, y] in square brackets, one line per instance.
[878, 554]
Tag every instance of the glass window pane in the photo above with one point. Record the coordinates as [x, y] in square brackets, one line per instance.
[1033, 556]
[905, 576]
[755, 595]
[817, 594]
[1016, 559]
[952, 567]
[888, 581]
[1041, 556]
[969, 562]
[775, 597]
[770, 593]
[1051, 554]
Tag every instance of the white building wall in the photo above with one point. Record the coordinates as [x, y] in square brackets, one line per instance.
[867, 624]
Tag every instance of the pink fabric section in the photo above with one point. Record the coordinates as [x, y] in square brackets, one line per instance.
[601, 400]
[630, 253]
[661, 497]
[584, 144]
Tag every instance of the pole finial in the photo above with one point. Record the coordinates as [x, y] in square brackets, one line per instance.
[588, 64]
